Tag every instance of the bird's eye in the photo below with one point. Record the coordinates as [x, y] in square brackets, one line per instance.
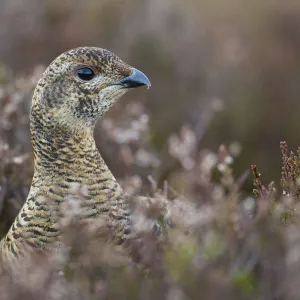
[85, 73]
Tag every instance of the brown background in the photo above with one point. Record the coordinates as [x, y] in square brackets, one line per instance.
[239, 58]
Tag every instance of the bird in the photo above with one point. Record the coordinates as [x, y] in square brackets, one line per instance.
[74, 92]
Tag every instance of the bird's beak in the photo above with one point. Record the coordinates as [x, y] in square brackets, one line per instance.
[136, 79]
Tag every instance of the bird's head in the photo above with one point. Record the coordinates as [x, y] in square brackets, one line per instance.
[80, 85]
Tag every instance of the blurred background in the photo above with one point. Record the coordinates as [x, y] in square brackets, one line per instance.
[222, 72]
[230, 70]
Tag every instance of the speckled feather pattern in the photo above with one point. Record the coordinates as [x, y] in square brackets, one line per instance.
[63, 115]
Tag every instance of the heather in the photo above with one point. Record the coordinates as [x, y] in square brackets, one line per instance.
[213, 186]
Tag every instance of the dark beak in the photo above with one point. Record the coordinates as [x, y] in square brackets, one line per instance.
[136, 79]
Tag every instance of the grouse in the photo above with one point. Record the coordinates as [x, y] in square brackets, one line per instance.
[77, 88]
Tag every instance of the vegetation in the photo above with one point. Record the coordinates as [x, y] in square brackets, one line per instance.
[211, 239]
[223, 72]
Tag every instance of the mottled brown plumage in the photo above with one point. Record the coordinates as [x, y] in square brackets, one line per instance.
[65, 108]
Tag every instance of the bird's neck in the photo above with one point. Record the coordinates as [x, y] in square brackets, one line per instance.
[64, 155]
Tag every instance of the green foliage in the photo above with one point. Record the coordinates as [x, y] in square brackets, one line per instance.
[245, 282]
